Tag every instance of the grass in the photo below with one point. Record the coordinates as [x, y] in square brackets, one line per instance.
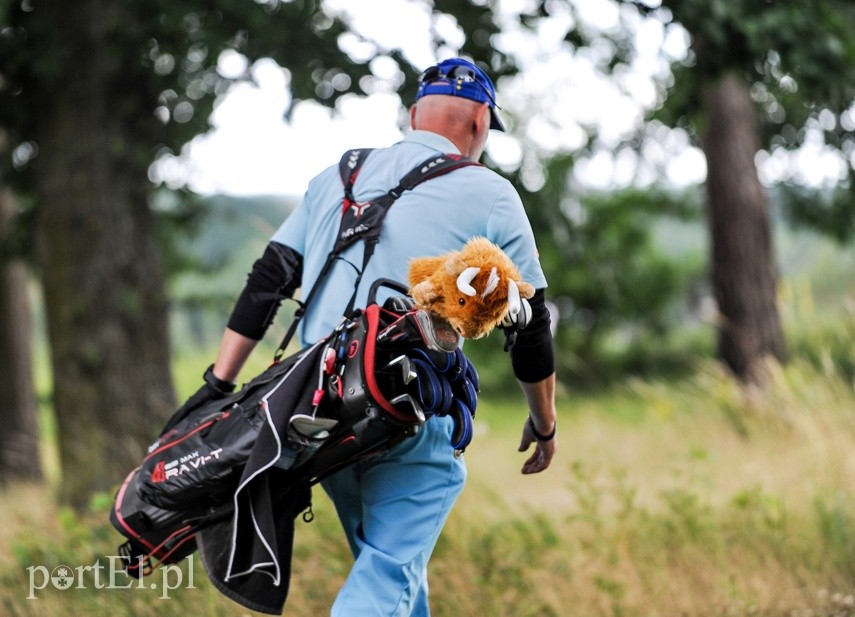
[666, 498]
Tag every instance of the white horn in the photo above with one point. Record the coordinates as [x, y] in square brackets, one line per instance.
[514, 303]
[492, 283]
[464, 280]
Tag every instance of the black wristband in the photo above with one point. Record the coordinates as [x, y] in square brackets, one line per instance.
[220, 385]
[539, 436]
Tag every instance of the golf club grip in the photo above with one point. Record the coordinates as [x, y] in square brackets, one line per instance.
[384, 282]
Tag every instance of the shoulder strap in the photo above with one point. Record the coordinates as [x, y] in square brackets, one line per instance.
[431, 168]
[348, 168]
[363, 221]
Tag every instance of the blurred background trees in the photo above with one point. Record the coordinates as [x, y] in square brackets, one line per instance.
[92, 94]
[759, 78]
[19, 437]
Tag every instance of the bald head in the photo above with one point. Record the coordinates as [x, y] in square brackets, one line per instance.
[466, 123]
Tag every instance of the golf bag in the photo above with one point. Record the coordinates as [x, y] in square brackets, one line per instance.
[370, 383]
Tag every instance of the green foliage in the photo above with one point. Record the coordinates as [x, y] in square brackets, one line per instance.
[156, 66]
[821, 329]
[798, 59]
[165, 57]
[836, 520]
[607, 271]
[831, 212]
[157, 63]
[611, 266]
[206, 235]
[799, 55]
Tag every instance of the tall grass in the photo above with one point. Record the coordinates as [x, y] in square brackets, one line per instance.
[688, 498]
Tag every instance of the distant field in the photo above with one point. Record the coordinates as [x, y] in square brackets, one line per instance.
[690, 498]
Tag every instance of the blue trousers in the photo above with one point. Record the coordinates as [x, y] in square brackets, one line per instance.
[392, 508]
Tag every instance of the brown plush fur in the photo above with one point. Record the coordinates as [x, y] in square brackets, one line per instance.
[433, 286]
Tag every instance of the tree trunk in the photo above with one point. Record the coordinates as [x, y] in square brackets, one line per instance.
[19, 439]
[100, 261]
[744, 276]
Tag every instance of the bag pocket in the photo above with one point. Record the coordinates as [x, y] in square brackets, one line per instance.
[201, 464]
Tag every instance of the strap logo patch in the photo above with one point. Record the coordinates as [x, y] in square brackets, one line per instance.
[432, 164]
[353, 158]
[359, 208]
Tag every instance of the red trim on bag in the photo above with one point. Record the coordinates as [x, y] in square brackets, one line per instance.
[201, 427]
[372, 313]
[174, 548]
[150, 547]
[148, 568]
[118, 509]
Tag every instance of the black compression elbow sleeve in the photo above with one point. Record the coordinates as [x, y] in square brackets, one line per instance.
[274, 277]
[533, 355]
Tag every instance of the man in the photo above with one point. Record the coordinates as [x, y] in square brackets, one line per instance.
[392, 507]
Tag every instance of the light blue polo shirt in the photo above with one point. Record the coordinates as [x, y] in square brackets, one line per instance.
[438, 216]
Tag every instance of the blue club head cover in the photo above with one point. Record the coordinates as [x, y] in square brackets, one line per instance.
[466, 392]
[463, 428]
[433, 390]
[464, 369]
[444, 362]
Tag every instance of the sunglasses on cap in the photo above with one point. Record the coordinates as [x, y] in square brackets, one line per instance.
[461, 74]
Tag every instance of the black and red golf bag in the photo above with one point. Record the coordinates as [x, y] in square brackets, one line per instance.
[384, 371]
[372, 382]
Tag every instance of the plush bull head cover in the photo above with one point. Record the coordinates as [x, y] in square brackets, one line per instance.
[473, 289]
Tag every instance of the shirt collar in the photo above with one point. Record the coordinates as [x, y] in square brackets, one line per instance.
[431, 140]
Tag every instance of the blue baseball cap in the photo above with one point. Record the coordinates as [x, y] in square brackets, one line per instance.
[459, 77]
